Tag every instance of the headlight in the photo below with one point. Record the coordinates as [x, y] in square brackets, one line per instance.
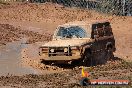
[74, 48]
[52, 50]
[65, 49]
[43, 49]
[77, 53]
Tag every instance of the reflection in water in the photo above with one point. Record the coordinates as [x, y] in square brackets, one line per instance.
[10, 60]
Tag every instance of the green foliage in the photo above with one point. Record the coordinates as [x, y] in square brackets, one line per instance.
[111, 7]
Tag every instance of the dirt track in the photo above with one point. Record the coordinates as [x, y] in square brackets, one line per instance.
[118, 70]
[46, 17]
[8, 33]
[37, 22]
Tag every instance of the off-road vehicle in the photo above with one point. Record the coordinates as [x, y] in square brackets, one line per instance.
[89, 42]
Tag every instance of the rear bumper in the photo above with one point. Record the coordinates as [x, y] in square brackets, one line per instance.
[61, 58]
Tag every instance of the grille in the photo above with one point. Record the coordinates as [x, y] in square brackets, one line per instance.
[59, 51]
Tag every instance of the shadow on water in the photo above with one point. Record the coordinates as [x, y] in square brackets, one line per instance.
[10, 60]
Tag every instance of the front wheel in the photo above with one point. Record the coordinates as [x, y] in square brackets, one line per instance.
[88, 59]
[110, 55]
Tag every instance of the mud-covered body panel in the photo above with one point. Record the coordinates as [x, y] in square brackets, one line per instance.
[62, 58]
[63, 48]
[67, 42]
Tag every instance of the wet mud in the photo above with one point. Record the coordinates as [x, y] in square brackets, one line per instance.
[22, 33]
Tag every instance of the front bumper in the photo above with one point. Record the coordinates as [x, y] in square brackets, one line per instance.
[61, 58]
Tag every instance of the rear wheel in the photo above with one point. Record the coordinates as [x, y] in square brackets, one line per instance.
[110, 55]
[104, 56]
[101, 57]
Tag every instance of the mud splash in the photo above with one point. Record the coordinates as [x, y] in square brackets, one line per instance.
[10, 60]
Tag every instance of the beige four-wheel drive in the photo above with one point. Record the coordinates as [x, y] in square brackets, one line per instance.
[87, 42]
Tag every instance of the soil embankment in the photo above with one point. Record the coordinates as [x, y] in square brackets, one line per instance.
[35, 23]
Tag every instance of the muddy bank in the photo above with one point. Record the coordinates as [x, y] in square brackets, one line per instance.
[113, 70]
[36, 19]
[11, 60]
[19, 51]
[8, 33]
[12, 42]
[47, 16]
[17, 58]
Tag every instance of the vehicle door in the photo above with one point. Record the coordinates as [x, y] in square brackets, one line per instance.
[95, 36]
[108, 34]
[100, 39]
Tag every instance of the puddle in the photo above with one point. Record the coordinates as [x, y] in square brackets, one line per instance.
[10, 60]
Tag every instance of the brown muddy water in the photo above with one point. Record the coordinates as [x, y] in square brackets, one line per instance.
[10, 60]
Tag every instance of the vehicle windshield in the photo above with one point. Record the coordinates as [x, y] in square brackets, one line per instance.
[71, 32]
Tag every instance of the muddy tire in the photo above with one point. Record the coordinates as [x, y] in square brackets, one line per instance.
[104, 56]
[46, 62]
[101, 57]
[88, 59]
[110, 55]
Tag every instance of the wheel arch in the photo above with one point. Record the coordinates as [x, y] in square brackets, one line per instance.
[88, 50]
[109, 45]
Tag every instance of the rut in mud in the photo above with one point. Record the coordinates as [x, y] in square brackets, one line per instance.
[56, 76]
[113, 70]
[12, 42]
[8, 33]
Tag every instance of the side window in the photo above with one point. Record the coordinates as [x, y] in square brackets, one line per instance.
[94, 33]
[100, 29]
[107, 29]
[97, 30]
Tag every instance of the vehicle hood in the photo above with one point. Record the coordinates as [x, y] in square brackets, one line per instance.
[71, 42]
